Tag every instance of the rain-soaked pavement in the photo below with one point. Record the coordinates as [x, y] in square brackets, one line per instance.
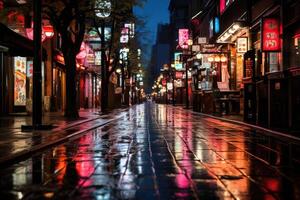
[160, 152]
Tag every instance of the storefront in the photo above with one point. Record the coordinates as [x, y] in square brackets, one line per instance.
[58, 82]
[16, 60]
[212, 81]
[89, 89]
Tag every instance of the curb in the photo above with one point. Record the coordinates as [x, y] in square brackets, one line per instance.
[81, 122]
[288, 136]
[26, 153]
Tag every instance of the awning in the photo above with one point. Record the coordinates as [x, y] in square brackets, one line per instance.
[17, 44]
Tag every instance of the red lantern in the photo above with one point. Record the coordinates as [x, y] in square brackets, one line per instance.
[48, 31]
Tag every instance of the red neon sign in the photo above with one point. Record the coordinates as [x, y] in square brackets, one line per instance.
[270, 34]
[183, 35]
[222, 6]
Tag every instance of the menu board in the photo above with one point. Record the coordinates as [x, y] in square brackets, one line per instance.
[20, 81]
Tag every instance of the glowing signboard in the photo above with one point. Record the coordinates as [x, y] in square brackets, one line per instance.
[242, 44]
[177, 61]
[131, 29]
[124, 35]
[183, 37]
[224, 4]
[270, 34]
[216, 25]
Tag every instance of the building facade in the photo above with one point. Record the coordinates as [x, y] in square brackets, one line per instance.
[249, 60]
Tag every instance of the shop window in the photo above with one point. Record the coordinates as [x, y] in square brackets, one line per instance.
[295, 52]
[274, 61]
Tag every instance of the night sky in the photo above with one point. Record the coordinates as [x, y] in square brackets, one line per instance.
[154, 12]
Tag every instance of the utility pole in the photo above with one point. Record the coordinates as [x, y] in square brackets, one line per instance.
[37, 62]
[37, 72]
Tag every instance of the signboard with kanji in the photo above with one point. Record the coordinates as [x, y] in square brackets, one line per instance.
[242, 44]
[270, 34]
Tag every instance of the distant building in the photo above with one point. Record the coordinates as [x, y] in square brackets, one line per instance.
[179, 10]
[161, 49]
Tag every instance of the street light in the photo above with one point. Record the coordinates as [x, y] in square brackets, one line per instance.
[103, 10]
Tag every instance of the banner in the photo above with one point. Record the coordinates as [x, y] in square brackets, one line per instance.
[20, 81]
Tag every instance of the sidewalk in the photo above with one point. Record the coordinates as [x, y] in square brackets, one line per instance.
[238, 119]
[15, 144]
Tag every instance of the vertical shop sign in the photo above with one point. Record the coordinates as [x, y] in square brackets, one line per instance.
[249, 64]
[270, 34]
[20, 81]
[124, 35]
[29, 69]
[177, 60]
[131, 28]
[183, 35]
[242, 44]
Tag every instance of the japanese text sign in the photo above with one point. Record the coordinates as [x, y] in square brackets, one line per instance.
[270, 34]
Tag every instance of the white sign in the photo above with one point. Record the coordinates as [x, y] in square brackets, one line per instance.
[196, 48]
[131, 29]
[97, 57]
[202, 40]
[169, 86]
[242, 44]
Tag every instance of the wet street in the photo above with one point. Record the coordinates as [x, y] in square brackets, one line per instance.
[160, 152]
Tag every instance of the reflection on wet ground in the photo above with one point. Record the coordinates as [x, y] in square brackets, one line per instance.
[159, 152]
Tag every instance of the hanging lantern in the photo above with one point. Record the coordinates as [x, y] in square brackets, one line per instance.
[210, 59]
[223, 58]
[217, 58]
[198, 56]
[118, 71]
[48, 31]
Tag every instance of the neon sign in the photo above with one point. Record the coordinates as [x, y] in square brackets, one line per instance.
[224, 4]
[270, 34]
[183, 35]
